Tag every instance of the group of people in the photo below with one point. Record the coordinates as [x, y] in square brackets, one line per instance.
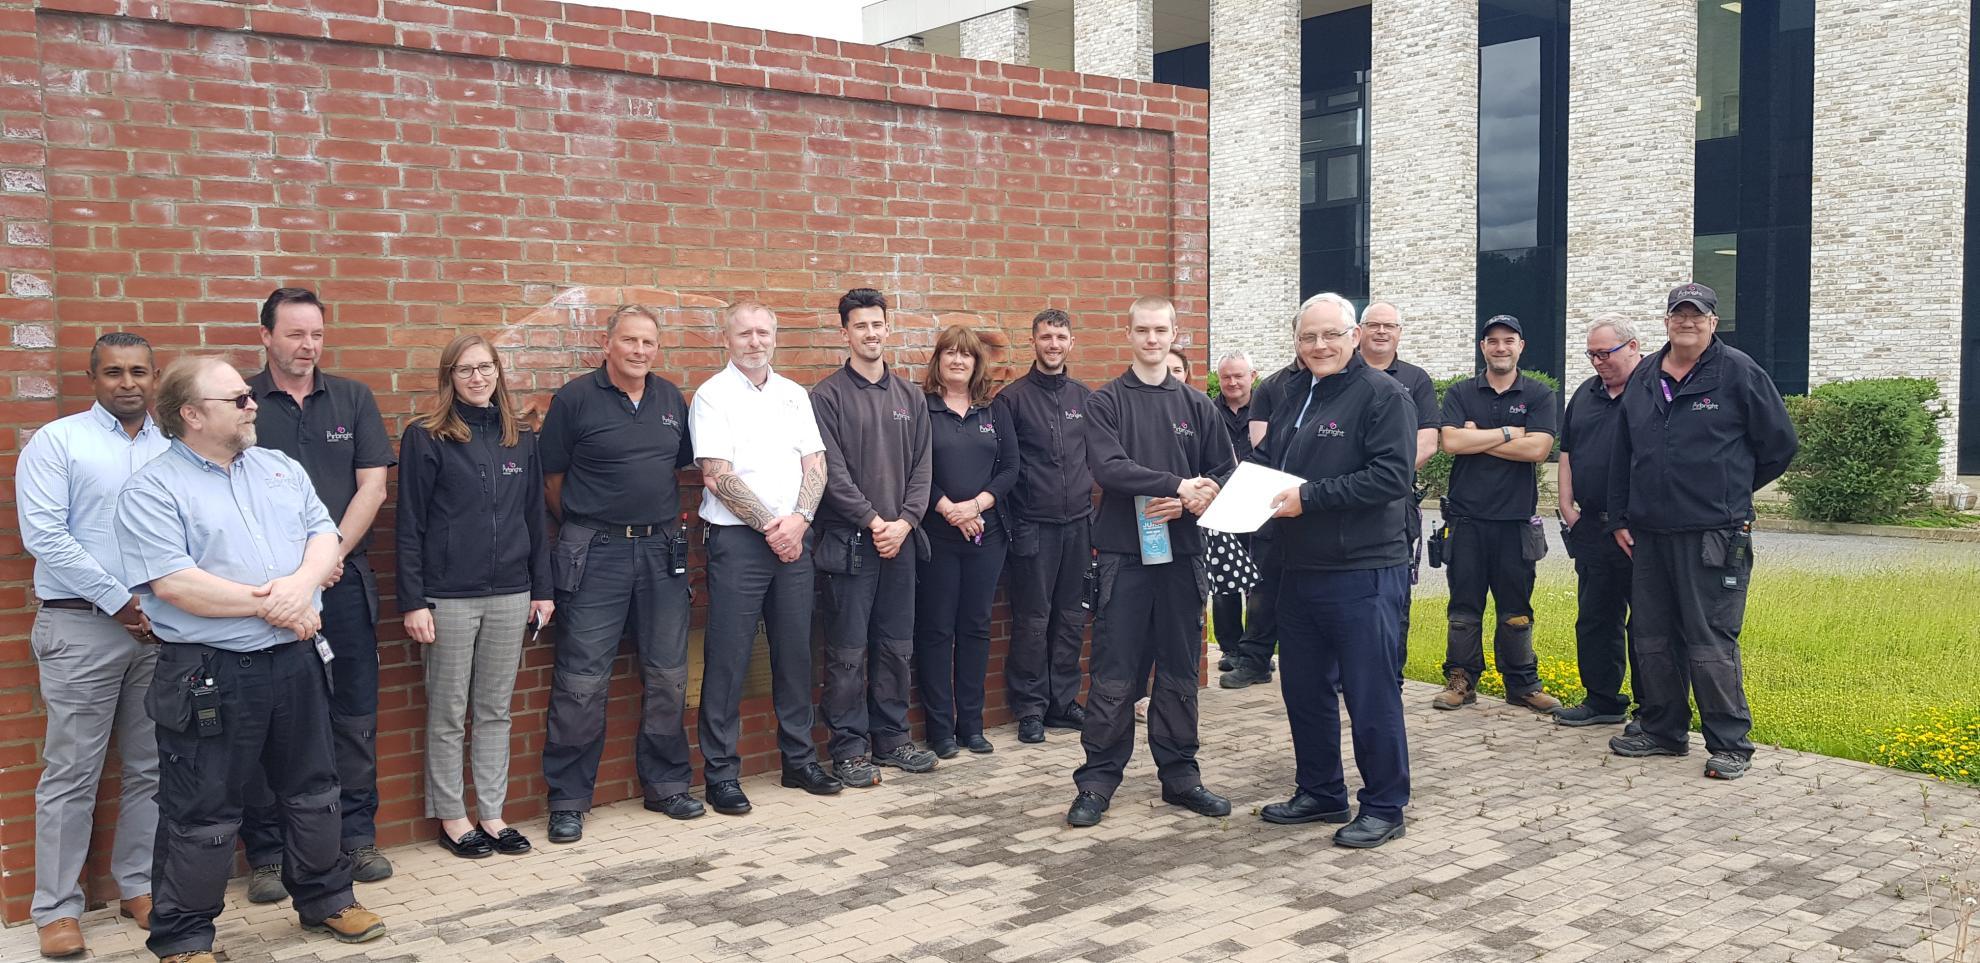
[200, 543]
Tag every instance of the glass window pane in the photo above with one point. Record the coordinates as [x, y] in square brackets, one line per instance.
[1509, 145]
[1309, 190]
[1718, 68]
[1343, 177]
[1330, 131]
[1715, 264]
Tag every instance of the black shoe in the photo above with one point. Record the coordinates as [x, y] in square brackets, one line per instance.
[1243, 676]
[977, 744]
[1642, 744]
[1031, 729]
[1586, 715]
[265, 885]
[1303, 807]
[368, 865]
[726, 797]
[473, 844]
[1634, 727]
[508, 842]
[906, 758]
[812, 778]
[1725, 765]
[856, 772]
[1368, 832]
[943, 748]
[1087, 808]
[679, 805]
[1074, 718]
[566, 825]
[1198, 800]
[1224, 664]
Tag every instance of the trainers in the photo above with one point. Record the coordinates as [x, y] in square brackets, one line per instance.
[1537, 700]
[856, 772]
[1074, 718]
[1633, 728]
[1243, 676]
[1725, 765]
[1640, 745]
[1458, 691]
[368, 865]
[906, 758]
[1586, 715]
[566, 825]
[265, 885]
[1031, 729]
[352, 924]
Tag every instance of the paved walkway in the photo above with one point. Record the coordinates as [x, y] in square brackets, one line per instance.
[1526, 842]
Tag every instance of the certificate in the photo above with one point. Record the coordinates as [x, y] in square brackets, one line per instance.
[1245, 501]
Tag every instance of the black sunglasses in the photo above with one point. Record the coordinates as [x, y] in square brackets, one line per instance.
[241, 401]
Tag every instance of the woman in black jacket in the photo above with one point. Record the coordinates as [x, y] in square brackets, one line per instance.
[975, 465]
[474, 568]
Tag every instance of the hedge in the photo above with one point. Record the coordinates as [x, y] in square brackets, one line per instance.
[1869, 448]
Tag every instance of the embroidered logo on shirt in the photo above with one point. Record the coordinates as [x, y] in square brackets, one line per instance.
[1072, 414]
[1331, 429]
[1518, 409]
[1183, 429]
[341, 434]
[1704, 404]
[987, 428]
[511, 468]
[670, 421]
[901, 414]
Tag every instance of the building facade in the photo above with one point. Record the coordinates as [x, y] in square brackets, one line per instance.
[1559, 159]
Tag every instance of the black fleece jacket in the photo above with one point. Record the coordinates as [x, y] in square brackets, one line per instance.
[471, 516]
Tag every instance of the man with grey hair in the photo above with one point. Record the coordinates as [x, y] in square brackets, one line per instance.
[1601, 568]
[1381, 332]
[1235, 374]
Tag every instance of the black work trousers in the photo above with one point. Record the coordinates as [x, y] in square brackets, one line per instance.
[1687, 621]
[1602, 617]
[1048, 627]
[1261, 609]
[953, 594]
[1488, 556]
[1150, 616]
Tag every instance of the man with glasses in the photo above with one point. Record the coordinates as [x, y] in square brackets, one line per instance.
[331, 426]
[1602, 573]
[1498, 425]
[227, 545]
[1702, 429]
[1381, 333]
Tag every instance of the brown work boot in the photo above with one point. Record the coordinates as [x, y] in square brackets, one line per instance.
[61, 938]
[1458, 691]
[352, 924]
[1538, 700]
[136, 908]
[197, 956]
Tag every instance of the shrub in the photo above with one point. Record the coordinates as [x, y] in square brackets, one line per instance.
[1436, 473]
[1869, 448]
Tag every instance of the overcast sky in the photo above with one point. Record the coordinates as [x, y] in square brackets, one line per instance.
[838, 19]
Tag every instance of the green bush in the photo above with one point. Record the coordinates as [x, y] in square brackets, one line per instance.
[1435, 475]
[1868, 449]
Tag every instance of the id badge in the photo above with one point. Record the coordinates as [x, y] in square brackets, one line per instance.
[323, 650]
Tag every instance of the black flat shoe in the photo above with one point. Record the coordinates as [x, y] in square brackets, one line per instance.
[1075, 718]
[1087, 808]
[812, 778]
[566, 825]
[727, 798]
[508, 842]
[1031, 729]
[679, 805]
[977, 744]
[1199, 800]
[473, 844]
[944, 748]
[1303, 808]
[1368, 832]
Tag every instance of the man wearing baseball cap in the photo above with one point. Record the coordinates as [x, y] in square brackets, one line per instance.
[1702, 429]
[1498, 425]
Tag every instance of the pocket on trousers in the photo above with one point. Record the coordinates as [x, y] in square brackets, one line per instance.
[1109, 569]
[1714, 548]
[1532, 542]
[168, 700]
[1024, 536]
[567, 562]
[833, 553]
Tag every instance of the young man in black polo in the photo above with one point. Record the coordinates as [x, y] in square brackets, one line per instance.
[1052, 540]
[1151, 441]
[1498, 425]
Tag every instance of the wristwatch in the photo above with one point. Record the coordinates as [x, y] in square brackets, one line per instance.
[1506, 432]
[805, 513]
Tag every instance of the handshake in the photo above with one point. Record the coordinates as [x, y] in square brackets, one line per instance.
[1194, 494]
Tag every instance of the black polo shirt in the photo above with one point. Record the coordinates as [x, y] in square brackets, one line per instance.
[1588, 433]
[971, 454]
[617, 459]
[336, 433]
[1422, 392]
[1238, 423]
[1486, 486]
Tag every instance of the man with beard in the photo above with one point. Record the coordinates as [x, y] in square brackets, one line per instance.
[1051, 542]
[1498, 425]
[227, 545]
[1381, 332]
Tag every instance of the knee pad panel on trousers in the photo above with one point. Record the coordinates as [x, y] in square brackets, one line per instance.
[315, 830]
[665, 697]
[577, 708]
[846, 658]
[1110, 714]
[198, 859]
[1172, 710]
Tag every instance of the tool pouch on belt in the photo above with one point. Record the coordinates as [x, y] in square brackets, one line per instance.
[1436, 547]
[1533, 539]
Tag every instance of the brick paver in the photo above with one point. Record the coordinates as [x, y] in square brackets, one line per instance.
[1526, 842]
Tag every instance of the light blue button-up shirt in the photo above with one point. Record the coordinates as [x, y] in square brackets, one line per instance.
[247, 525]
[66, 487]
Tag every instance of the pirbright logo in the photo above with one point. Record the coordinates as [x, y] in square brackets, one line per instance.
[341, 434]
[1704, 404]
[1332, 429]
[1183, 429]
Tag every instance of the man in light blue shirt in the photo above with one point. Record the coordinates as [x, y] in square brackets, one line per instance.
[89, 640]
[228, 546]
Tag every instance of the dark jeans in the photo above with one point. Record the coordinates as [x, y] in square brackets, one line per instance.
[1150, 616]
[1261, 616]
[602, 580]
[745, 582]
[1487, 556]
[869, 645]
[953, 595]
[1602, 617]
[1686, 632]
[350, 625]
[1340, 627]
[275, 719]
[1048, 622]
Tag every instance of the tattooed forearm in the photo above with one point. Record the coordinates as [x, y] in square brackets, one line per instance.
[813, 487]
[721, 478]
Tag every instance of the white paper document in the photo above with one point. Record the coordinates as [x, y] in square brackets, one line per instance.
[1246, 500]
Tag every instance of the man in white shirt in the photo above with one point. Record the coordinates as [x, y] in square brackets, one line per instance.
[763, 470]
[90, 640]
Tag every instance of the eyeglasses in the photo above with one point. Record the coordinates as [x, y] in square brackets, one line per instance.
[485, 369]
[1600, 355]
[242, 401]
[1331, 337]
[1382, 326]
[1686, 319]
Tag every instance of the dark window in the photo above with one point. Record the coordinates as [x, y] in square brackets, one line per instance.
[1333, 155]
[1522, 171]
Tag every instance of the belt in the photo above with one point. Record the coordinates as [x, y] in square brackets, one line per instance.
[608, 528]
[79, 605]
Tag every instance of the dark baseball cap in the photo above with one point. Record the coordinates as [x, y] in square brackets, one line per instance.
[1500, 321]
[1695, 293]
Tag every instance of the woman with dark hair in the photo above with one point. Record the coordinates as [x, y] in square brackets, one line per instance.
[474, 568]
[974, 467]
[1179, 365]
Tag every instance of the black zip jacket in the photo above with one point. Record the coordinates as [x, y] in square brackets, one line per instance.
[1048, 415]
[1693, 463]
[1144, 440]
[470, 516]
[1356, 448]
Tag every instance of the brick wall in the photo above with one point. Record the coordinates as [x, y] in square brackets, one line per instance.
[519, 167]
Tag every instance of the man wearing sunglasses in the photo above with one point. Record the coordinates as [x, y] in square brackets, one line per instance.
[1602, 572]
[331, 426]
